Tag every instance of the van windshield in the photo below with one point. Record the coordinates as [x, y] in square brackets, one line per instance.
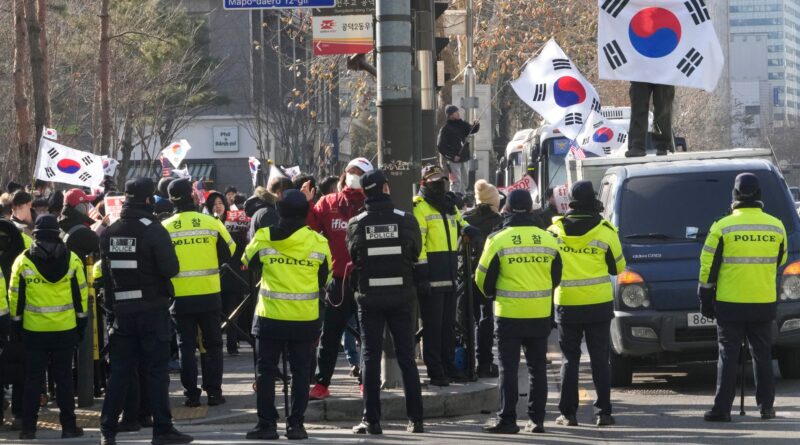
[683, 206]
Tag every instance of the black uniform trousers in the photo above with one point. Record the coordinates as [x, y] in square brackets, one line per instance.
[438, 313]
[137, 405]
[730, 337]
[400, 321]
[339, 307]
[268, 353]
[535, 349]
[598, 343]
[483, 308]
[12, 372]
[209, 324]
[663, 96]
[36, 364]
[139, 342]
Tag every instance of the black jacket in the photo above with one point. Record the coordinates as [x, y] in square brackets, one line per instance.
[453, 139]
[157, 261]
[546, 215]
[381, 212]
[486, 221]
[80, 238]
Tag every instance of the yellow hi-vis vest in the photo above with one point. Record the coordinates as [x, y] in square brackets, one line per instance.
[289, 273]
[49, 307]
[439, 242]
[750, 242]
[524, 286]
[194, 236]
[585, 277]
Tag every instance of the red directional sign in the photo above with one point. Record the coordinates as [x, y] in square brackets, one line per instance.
[343, 34]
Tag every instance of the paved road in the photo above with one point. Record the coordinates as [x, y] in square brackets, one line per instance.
[663, 406]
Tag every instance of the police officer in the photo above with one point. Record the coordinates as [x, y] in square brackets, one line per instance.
[202, 244]
[591, 251]
[384, 244]
[439, 223]
[519, 267]
[738, 273]
[295, 264]
[138, 260]
[48, 301]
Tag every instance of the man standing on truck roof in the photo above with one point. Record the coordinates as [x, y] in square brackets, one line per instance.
[663, 96]
[591, 251]
[738, 271]
[453, 145]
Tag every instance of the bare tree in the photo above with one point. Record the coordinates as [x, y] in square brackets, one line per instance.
[104, 81]
[37, 45]
[23, 125]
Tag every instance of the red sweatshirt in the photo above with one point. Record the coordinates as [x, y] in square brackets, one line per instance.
[330, 216]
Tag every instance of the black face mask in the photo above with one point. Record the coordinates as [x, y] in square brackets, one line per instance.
[437, 187]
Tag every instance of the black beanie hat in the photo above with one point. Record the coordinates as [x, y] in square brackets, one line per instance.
[746, 188]
[583, 197]
[519, 201]
[163, 186]
[180, 191]
[46, 228]
[139, 189]
[293, 205]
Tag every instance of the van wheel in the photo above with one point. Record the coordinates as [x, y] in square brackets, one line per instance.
[789, 363]
[621, 371]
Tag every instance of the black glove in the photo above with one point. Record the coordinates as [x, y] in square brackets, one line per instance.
[471, 232]
[423, 289]
[707, 297]
[82, 322]
[16, 331]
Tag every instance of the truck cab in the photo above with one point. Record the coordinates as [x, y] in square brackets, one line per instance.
[663, 211]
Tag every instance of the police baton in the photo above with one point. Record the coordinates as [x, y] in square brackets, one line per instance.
[743, 361]
[466, 241]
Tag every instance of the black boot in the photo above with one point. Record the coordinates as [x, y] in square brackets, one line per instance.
[368, 428]
[296, 432]
[604, 420]
[71, 433]
[767, 414]
[128, 426]
[172, 437]
[532, 427]
[501, 428]
[415, 426]
[635, 153]
[712, 416]
[215, 400]
[263, 433]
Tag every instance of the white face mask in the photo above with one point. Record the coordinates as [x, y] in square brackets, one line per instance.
[352, 181]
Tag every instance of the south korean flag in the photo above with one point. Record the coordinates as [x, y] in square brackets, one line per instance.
[668, 42]
[601, 137]
[552, 85]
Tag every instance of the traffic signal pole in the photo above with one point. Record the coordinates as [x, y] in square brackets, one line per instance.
[395, 122]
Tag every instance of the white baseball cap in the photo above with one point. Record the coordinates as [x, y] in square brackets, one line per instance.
[361, 163]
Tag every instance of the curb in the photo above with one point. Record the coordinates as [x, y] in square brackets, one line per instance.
[453, 401]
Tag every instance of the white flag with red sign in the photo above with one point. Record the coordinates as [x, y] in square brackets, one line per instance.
[176, 152]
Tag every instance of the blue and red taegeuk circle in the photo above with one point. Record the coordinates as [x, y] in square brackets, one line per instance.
[655, 32]
[603, 135]
[68, 166]
[568, 91]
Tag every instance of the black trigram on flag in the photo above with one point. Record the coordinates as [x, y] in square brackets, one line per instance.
[698, 10]
[585, 141]
[614, 7]
[540, 92]
[607, 150]
[85, 176]
[49, 172]
[598, 125]
[53, 153]
[690, 62]
[614, 55]
[87, 160]
[561, 64]
[573, 119]
[595, 105]
[622, 138]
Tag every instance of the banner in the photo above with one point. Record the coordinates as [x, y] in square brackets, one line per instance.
[600, 137]
[669, 42]
[561, 195]
[344, 34]
[166, 167]
[110, 166]
[554, 88]
[113, 206]
[254, 165]
[291, 172]
[59, 163]
[237, 222]
[176, 152]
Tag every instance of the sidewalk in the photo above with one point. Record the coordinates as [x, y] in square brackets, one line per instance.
[344, 403]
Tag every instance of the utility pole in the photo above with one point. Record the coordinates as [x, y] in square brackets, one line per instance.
[395, 120]
[470, 101]
[425, 37]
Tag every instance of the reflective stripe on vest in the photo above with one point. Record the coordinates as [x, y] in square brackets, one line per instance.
[379, 251]
[749, 260]
[526, 250]
[751, 228]
[195, 232]
[124, 264]
[288, 296]
[128, 295]
[587, 282]
[48, 309]
[393, 281]
[197, 273]
[517, 294]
